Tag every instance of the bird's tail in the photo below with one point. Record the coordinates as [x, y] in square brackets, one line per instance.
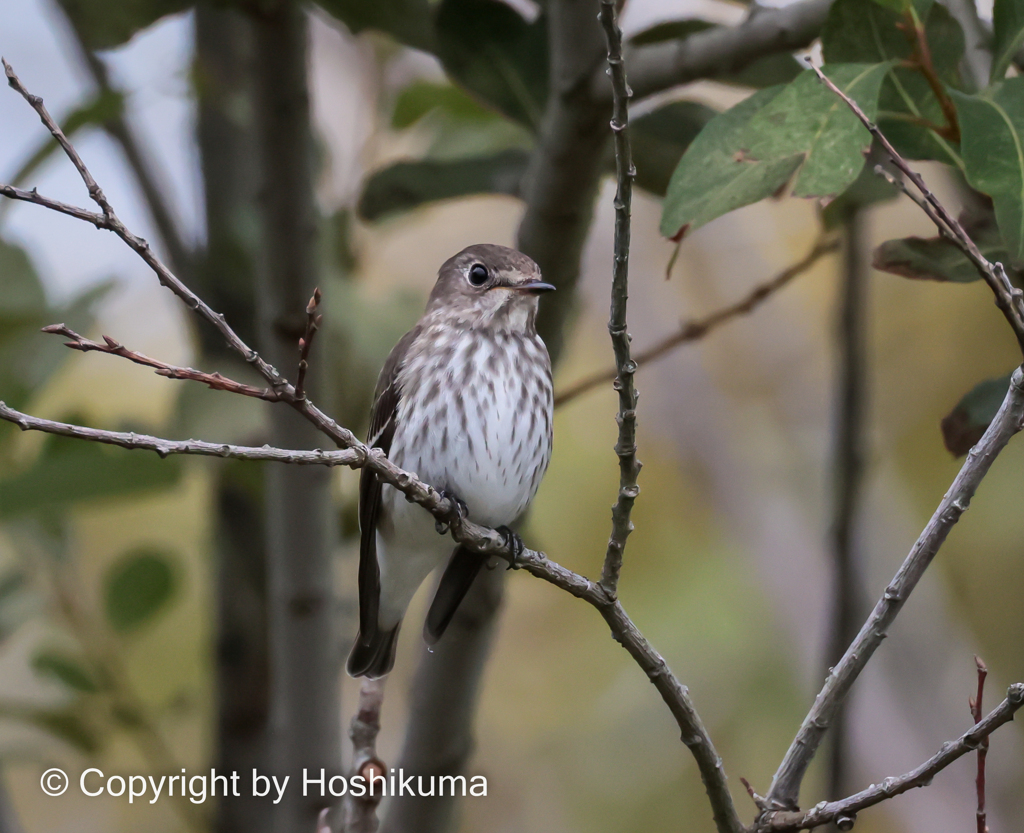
[451, 590]
[373, 654]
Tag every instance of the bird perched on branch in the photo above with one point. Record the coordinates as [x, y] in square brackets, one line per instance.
[464, 400]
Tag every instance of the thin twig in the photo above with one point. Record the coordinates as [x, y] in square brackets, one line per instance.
[844, 812]
[976, 713]
[180, 254]
[34, 196]
[115, 348]
[697, 328]
[1009, 299]
[477, 538]
[313, 321]
[131, 440]
[111, 222]
[1008, 421]
[625, 367]
[360, 814]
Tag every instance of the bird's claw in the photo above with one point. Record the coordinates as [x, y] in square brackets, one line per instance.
[514, 544]
[457, 515]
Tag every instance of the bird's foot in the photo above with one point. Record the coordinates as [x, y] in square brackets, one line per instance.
[514, 543]
[456, 516]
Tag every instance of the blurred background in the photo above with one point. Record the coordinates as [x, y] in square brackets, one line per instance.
[135, 629]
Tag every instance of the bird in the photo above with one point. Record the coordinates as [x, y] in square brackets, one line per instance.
[464, 400]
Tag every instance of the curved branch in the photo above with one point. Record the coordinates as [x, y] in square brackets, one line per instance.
[1008, 421]
[847, 808]
[477, 538]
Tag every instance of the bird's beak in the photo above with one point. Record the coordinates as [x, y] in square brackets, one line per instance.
[534, 287]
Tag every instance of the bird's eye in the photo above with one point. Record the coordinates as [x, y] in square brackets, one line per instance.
[478, 274]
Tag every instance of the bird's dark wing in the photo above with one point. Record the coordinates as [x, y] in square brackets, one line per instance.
[382, 431]
[451, 590]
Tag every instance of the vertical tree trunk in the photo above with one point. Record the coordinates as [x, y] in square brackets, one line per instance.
[304, 649]
[226, 277]
[847, 472]
[560, 188]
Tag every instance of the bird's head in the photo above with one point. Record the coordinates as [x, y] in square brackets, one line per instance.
[488, 286]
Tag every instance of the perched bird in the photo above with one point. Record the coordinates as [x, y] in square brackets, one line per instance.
[464, 401]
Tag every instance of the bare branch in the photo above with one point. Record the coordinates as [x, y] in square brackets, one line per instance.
[697, 328]
[114, 348]
[980, 814]
[131, 440]
[625, 367]
[1009, 299]
[120, 130]
[137, 244]
[34, 196]
[475, 537]
[723, 49]
[844, 812]
[360, 814]
[1007, 422]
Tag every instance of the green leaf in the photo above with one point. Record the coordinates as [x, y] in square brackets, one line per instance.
[409, 22]
[856, 31]
[867, 189]
[69, 670]
[69, 725]
[69, 470]
[939, 259]
[670, 30]
[407, 185]
[992, 144]
[490, 50]
[102, 24]
[897, 5]
[780, 68]
[966, 423]
[137, 587]
[715, 176]
[751, 151]
[422, 97]
[806, 117]
[27, 357]
[659, 139]
[1008, 35]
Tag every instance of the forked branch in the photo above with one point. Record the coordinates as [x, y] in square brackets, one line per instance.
[844, 812]
[475, 537]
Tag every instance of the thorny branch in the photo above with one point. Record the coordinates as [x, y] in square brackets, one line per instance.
[844, 812]
[625, 367]
[477, 538]
[697, 328]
